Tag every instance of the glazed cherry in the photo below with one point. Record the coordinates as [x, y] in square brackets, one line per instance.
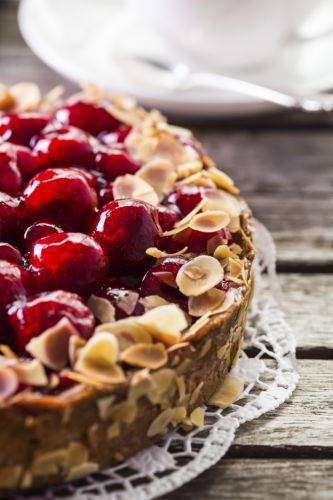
[70, 261]
[22, 157]
[92, 118]
[197, 241]
[116, 137]
[186, 198]
[60, 147]
[168, 216]
[113, 162]
[105, 194]
[124, 299]
[13, 286]
[62, 195]
[161, 279]
[20, 128]
[10, 253]
[8, 216]
[38, 230]
[29, 319]
[126, 228]
[10, 176]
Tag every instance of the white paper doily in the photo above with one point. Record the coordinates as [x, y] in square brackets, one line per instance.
[267, 366]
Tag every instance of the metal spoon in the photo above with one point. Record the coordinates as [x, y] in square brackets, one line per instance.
[180, 77]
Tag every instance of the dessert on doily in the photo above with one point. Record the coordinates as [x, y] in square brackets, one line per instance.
[125, 278]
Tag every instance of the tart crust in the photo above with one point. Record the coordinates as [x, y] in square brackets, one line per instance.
[48, 439]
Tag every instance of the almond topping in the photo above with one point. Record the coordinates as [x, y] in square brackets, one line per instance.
[51, 347]
[210, 221]
[159, 254]
[160, 174]
[130, 186]
[221, 200]
[199, 275]
[8, 383]
[150, 356]
[208, 301]
[189, 168]
[165, 323]
[221, 179]
[31, 373]
[6, 99]
[197, 417]
[152, 301]
[169, 416]
[235, 268]
[127, 331]
[75, 345]
[26, 95]
[101, 308]
[228, 392]
[184, 223]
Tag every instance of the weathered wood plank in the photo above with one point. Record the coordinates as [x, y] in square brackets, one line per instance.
[304, 421]
[260, 480]
[307, 309]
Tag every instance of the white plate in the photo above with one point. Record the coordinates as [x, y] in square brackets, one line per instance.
[83, 40]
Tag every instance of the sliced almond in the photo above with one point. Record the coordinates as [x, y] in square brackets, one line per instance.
[199, 275]
[165, 323]
[197, 417]
[7, 352]
[127, 301]
[27, 96]
[101, 308]
[235, 268]
[152, 301]
[75, 345]
[228, 391]
[187, 169]
[100, 350]
[159, 254]
[208, 301]
[128, 332]
[221, 179]
[222, 252]
[221, 200]
[9, 383]
[6, 99]
[150, 356]
[131, 186]
[210, 221]
[51, 347]
[185, 222]
[31, 373]
[160, 174]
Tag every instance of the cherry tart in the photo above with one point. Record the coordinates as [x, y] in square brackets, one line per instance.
[125, 278]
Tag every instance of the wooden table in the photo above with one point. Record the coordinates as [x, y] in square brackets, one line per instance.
[284, 167]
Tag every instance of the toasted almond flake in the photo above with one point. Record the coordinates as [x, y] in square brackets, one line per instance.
[52, 98]
[189, 168]
[52, 346]
[83, 379]
[248, 241]
[235, 268]
[208, 301]
[181, 386]
[111, 375]
[128, 331]
[185, 222]
[152, 301]
[75, 345]
[236, 249]
[101, 350]
[49, 463]
[221, 179]
[222, 252]
[174, 130]
[7, 352]
[197, 417]
[113, 430]
[53, 381]
[159, 254]
[176, 347]
[206, 348]
[125, 411]
[192, 179]
[131, 186]
[9, 383]
[208, 161]
[129, 117]
[199, 275]
[196, 393]
[150, 356]
[104, 406]
[31, 373]
[27, 96]
[81, 470]
[6, 99]
[160, 174]
[161, 423]
[210, 221]
[101, 308]
[228, 392]
[140, 376]
[77, 453]
[234, 224]
[165, 323]
[221, 200]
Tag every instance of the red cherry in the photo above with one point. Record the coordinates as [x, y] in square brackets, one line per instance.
[22, 157]
[116, 137]
[38, 230]
[8, 215]
[161, 280]
[186, 198]
[20, 128]
[168, 216]
[13, 283]
[32, 318]
[126, 228]
[197, 241]
[60, 147]
[113, 162]
[62, 195]
[70, 261]
[92, 118]
[10, 176]
[124, 299]
[105, 194]
[10, 253]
